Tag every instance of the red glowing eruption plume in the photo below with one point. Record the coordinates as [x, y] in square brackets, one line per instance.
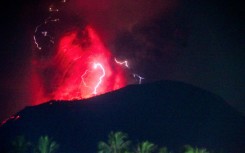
[81, 67]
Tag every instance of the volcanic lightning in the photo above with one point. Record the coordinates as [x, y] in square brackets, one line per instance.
[82, 77]
[82, 67]
[101, 77]
[96, 85]
[139, 77]
[75, 63]
[125, 63]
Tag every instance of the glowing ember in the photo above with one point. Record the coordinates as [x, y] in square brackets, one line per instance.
[81, 68]
[12, 118]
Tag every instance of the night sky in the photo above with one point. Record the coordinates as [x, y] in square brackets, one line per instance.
[196, 42]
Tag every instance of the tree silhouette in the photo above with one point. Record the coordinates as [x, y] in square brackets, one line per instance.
[190, 149]
[164, 150]
[117, 143]
[146, 147]
[46, 145]
[20, 145]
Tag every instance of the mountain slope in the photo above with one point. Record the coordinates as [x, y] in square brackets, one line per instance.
[165, 112]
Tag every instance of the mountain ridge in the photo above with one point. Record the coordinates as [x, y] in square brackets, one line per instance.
[166, 112]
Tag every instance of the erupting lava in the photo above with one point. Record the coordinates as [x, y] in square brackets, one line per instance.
[81, 67]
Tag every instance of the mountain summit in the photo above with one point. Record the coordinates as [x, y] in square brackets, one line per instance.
[167, 113]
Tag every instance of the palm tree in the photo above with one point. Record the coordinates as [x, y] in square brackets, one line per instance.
[164, 150]
[117, 143]
[146, 147]
[46, 145]
[190, 149]
[20, 145]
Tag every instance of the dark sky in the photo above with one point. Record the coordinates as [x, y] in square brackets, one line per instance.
[197, 42]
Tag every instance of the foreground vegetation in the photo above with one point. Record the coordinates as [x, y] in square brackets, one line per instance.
[117, 142]
[44, 145]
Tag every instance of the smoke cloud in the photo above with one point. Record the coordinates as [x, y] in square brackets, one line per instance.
[177, 40]
[134, 31]
[116, 22]
[112, 16]
[146, 33]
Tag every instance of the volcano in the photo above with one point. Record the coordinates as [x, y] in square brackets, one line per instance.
[167, 113]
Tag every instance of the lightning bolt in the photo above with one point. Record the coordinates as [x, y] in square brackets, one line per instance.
[84, 83]
[43, 33]
[49, 19]
[34, 37]
[96, 65]
[139, 77]
[125, 63]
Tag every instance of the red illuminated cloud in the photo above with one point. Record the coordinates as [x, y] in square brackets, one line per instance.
[112, 16]
[82, 67]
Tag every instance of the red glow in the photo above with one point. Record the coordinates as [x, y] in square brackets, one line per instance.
[13, 118]
[81, 68]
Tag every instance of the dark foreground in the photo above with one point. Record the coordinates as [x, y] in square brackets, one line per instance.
[167, 113]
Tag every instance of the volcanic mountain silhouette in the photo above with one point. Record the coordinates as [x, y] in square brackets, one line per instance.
[167, 113]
